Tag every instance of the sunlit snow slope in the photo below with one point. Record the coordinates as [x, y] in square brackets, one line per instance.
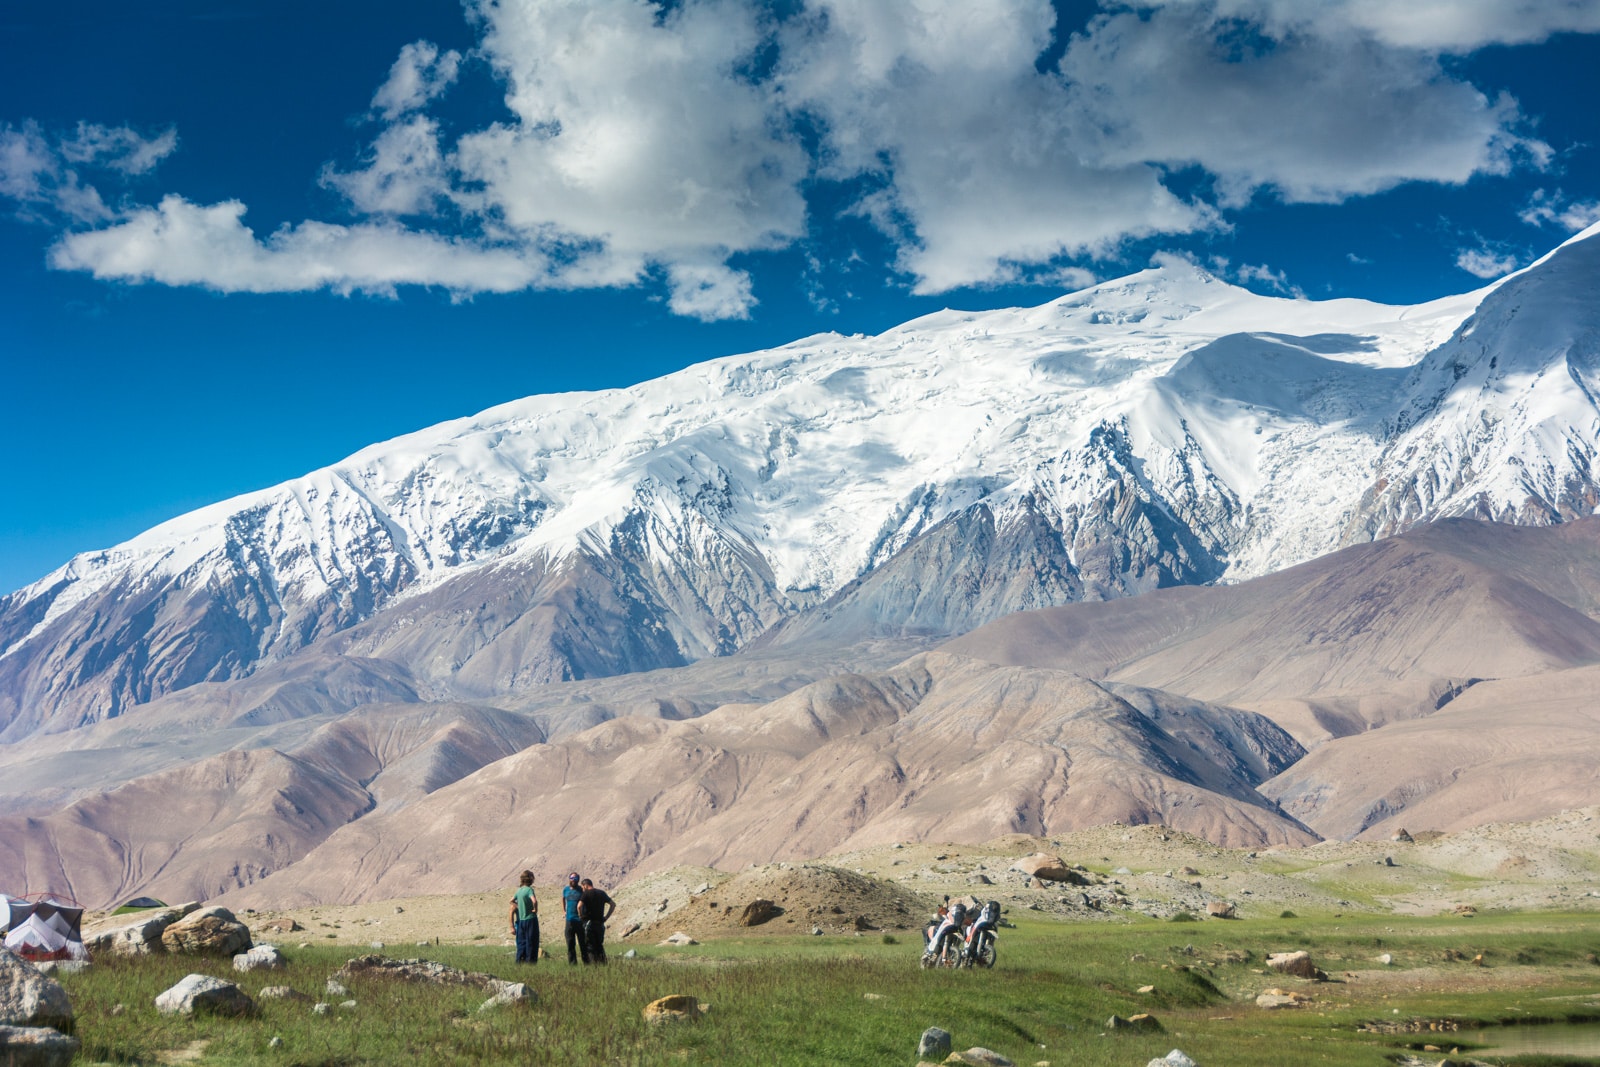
[1162, 428]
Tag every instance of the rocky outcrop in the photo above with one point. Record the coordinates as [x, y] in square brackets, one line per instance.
[1047, 868]
[142, 937]
[207, 932]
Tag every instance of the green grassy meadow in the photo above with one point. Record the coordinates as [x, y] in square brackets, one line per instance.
[860, 1000]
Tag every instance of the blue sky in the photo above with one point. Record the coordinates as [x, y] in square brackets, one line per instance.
[240, 240]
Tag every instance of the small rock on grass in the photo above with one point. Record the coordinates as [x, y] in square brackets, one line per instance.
[979, 1057]
[935, 1042]
[203, 994]
[673, 1008]
[1175, 1058]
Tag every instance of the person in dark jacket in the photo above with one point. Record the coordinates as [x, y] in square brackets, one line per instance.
[594, 908]
[575, 938]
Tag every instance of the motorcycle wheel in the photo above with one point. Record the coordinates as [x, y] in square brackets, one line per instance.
[950, 951]
[986, 952]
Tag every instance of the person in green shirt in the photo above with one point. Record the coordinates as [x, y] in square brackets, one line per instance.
[525, 920]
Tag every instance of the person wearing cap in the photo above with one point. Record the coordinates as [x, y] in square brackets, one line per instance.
[576, 942]
[594, 908]
[525, 920]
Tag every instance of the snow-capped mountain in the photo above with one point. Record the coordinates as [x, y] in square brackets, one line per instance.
[1162, 428]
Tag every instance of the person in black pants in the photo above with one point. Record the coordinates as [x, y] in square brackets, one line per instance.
[575, 938]
[594, 908]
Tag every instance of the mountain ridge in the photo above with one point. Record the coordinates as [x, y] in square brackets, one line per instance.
[1160, 429]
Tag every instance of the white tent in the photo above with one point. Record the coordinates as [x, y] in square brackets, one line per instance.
[45, 928]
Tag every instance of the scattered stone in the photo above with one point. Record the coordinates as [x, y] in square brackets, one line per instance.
[680, 938]
[1147, 989]
[631, 928]
[759, 911]
[336, 988]
[1296, 963]
[1477, 961]
[863, 924]
[276, 1042]
[118, 1009]
[29, 999]
[398, 910]
[631, 954]
[1387, 959]
[1388, 861]
[280, 926]
[320, 1008]
[282, 992]
[259, 958]
[51, 968]
[514, 993]
[703, 887]
[1401, 836]
[1219, 909]
[1281, 998]
[207, 932]
[1144, 1021]
[1175, 1058]
[872, 996]
[676, 1008]
[1044, 867]
[816, 931]
[417, 971]
[980, 1057]
[982, 879]
[205, 995]
[935, 1043]
[36, 1046]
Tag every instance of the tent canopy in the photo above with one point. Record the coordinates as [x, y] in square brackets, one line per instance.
[45, 928]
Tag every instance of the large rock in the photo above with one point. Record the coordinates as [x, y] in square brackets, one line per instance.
[141, 937]
[207, 932]
[1047, 868]
[36, 1046]
[1281, 998]
[1296, 963]
[204, 995]
[28, 998]
[1221, 909]
[759, 911]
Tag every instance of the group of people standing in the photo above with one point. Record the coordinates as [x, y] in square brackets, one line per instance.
[587, 909]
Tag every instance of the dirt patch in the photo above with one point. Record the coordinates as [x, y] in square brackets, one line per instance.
[795, 899]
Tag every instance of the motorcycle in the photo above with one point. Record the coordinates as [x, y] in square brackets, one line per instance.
[945, 946]
[978, 950]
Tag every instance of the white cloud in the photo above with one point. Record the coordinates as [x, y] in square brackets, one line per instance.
[418, 76]
[650, 141]
[1264, 276]
[978, 150]
[35, 175]
[118, 148]
[179, 243]
[1314, 118]
[1436, 26]
[406, 173]
[1485, 263]
[637, 140]
[1546, 208]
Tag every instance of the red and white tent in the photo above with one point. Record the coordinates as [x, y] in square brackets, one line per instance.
[45, 927]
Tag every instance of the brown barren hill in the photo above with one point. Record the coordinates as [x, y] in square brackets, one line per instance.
[941, 748]
[1367, 635]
